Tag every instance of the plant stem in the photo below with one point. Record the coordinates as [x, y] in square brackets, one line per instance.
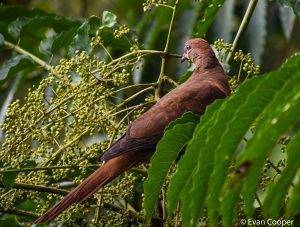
[118, 126]
[38, 188]
[48, 67]
[25, 52]
[158, 90]
[98, 208]
[131, 107]
[163, 54]
[55, 155]
[44, 168]
[135, 95]
[242, 28]
[136, 85]
[18, 212]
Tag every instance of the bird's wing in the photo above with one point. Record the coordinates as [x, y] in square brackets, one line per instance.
[128, 144]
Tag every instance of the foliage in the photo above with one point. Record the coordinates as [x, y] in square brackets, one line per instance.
[90, 78]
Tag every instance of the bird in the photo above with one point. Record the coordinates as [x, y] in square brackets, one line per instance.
[206, 84]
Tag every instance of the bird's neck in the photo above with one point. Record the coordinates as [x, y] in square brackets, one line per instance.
[211, 67]
[215, 73]
[206, 62]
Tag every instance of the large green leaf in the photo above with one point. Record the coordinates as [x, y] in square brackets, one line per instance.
[10, 13]
[63, 39]
[173, 141]
[259, 96]
[10, 221]
[81, 40]
[209, 15]
[14, 65]
[294, 4]
[188, 161]
[24, 25]
[205, 162]
[293, 206]
[15, 27]
[8, 179]
[280, 114]
[287, 71]
[186, 117]
[229, 203]
[278, 190]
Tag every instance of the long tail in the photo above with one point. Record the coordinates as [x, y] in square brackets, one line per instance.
[106, 173]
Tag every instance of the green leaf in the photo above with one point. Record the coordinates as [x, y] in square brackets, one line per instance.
[209, 15]
[186, 118]
[57, 23]
[189, 159]
[15, 27]
[14, 65]
[239, 125]
[228, 204]
[280, 114]
[9, 221]
[63, 40]
[45, 45]
[294, 4]
[205, 163]
[81, 41]
[173, 141]
[293, 206]
[1, 40]
[278, 190]
[108, 19]
[8, 179]
[10, 13]
[95, 23]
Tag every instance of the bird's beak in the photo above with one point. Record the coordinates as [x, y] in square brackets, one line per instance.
[184, 57]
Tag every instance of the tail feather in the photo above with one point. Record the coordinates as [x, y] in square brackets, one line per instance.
[106, 173]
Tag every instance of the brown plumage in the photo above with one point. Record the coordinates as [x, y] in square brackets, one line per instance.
[206, 84]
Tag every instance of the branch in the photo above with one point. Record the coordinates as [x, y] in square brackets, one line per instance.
[158, 90]
[38, 188]
[44, 168]
[242, 28]
[57, 191]
[48, 67]
[18, 212]
[25, 52]
[163, 54]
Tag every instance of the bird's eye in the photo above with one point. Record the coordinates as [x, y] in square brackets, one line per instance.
[188, 48]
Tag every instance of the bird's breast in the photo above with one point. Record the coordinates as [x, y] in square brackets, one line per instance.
[167, 109]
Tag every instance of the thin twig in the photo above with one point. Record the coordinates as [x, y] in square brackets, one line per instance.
[38, 188]
[45, 168]
[18, 212]
[242, 28]
[158, 90]
[25, 52]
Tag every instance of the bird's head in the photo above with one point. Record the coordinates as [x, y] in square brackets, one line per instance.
[199, 52]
